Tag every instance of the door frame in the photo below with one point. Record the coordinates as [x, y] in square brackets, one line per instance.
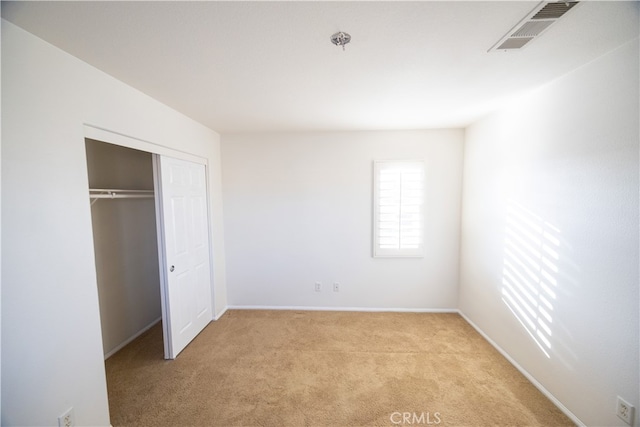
[156, 150]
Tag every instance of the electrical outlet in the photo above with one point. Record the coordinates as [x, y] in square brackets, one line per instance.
[67, 419]
[336, 287]
[318, 286]
[624, 410]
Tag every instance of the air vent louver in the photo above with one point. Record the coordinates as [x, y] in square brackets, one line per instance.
[532, 28]
[554, 10]
[514, 43]
[533, 25]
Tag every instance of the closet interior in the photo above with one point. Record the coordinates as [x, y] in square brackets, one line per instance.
[121, 193]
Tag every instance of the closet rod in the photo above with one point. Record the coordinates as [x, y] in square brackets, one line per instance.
[118, 190]
[113, 193]
[121, 196]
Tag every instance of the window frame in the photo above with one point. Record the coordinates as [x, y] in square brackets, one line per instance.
[377, 251]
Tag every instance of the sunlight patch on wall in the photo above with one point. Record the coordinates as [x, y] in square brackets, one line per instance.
[530, 271]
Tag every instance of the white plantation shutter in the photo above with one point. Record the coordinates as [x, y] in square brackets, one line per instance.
[398, 206]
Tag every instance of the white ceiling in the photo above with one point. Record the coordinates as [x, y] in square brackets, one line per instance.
[269, 66]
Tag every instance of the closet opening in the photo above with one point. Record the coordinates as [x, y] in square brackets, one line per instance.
[125, 235]
[150, 224]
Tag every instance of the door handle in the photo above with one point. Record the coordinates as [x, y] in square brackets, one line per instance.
[172, 268]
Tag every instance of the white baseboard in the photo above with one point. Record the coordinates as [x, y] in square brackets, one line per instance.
[524, 372]
[131, 338]
[219, 315]
[364, 309]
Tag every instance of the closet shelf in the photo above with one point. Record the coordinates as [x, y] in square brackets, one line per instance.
[119, 193]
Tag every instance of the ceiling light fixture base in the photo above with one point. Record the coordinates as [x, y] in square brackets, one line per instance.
[340, 39]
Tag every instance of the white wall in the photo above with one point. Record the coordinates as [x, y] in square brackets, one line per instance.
[51, 347]
[552, 182]
[125, 244]
[298, 209]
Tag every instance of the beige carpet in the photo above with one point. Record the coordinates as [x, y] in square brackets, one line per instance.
[290, 368]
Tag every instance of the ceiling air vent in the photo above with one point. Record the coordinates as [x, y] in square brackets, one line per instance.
[533, 25]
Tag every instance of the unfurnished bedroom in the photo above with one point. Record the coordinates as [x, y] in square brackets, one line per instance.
[317, 213]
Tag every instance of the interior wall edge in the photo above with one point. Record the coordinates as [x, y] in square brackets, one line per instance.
[132, 338]
[217, 315]
[524, 372]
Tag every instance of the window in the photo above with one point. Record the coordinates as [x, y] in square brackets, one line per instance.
[398, 212]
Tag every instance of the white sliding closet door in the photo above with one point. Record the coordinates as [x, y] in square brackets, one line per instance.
[184, 248]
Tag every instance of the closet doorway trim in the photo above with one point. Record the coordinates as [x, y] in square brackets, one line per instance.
[100, 134]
